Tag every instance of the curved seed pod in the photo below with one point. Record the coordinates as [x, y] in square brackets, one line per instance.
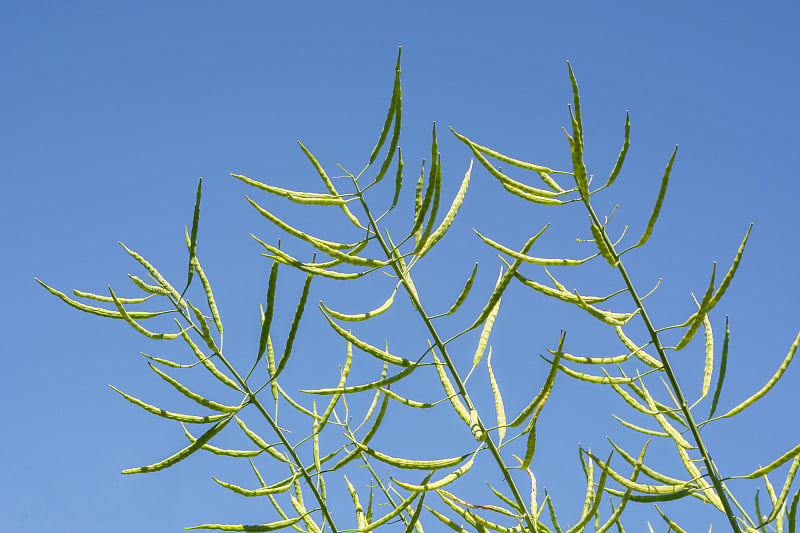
[222, 451]
[623, 151]
[539, 400]
[298, 196]
[768, 386]
[450, 216]
[138, 327]
[659, 200]
[540, 196]
[778, 503]
[371, 433]
[365, 386]
[437, 192]
[434, 485]
[361, 519]
[184, 453]
[263, 491]
[398, 112]
[640, 429]
[109, 299]
[418, 198]
[191, 419]
[643, 356]
[368, 348]
[542, 171]
[698, 317]
[193, 239]
[146, 287]
[708, 367]
[651, 498]
[495, 508]
[294, 231]
[405, 401]
[561, 293]
[415, 523]
[287, 259]
[663, 409]
[389, 115]
[210, 366]
[402, 506]
[585, 360]
[212, 303]
[538, 405]
[673, 526]
[485, 332]
[476, 521]
[578, 166]
[722, 368]
[266, 321]
[398, 180]
[576, 100]
[342, 379]
[592, 500]
[455, 401]
[261, 443]
[435, 177]
[780, 461]
[498, 401]
[363, 316]
[155, 273]
[723, 286]
[292, 402]
[298, 315]
[609, 317]
[479, 150]
[533, 260]
[419, 215]
[639, 487]
[502, 283]
[630, 400]
[398, 462]
[658, 476]
[464, 292]
[793, 511]
[98, 310]
[682, 443]
[590, 378]
[272, 526]
[196, 397]
[475, 426]
[167, 362]
[605, 251]
[348, 258]
[329, 184]
[205, 332]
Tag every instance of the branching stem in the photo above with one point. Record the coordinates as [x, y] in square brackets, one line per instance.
[713, 473]
[462, 391]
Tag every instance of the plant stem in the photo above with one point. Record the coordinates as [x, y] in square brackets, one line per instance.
[713, 474]
[403, 277]
[253, 399]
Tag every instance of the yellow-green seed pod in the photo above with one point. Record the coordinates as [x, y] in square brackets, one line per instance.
[599, 238]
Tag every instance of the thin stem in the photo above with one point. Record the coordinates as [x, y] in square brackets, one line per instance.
[255, 401]
[403, 277]
[713, 473]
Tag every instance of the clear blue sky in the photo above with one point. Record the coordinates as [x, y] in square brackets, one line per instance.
[111, 111]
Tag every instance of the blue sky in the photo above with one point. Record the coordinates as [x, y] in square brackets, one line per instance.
[113, 110]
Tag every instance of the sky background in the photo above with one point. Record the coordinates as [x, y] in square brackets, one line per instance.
[111, 112]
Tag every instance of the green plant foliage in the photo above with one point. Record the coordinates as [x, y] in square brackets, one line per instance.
[305, 468]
